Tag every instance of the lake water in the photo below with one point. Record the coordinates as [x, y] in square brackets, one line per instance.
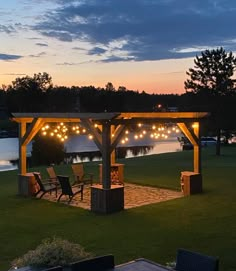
[80, 149]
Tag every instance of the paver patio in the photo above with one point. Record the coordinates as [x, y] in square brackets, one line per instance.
[134, 196]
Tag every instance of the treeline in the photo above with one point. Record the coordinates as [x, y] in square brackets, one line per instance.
[37, 94]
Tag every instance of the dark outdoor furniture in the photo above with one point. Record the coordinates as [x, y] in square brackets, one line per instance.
[44, 187]
[57, 268]
[80, 176]
[106, 263]
[192, 261]
[66, 188]
[100, 263]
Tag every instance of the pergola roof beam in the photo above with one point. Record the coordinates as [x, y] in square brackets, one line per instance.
[164, 115]
[63, 117]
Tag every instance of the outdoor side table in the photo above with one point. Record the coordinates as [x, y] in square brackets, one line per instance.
[141, 265]
[27, 185]
[191, 182]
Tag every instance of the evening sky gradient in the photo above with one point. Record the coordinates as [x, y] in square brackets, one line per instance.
[140, 44]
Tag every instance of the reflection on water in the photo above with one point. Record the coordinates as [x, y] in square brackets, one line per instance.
[9, 153]
[121, 152]
[81, 149]
[7, 165]
[154, 147]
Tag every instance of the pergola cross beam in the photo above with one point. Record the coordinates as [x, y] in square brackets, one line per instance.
[88, 124]
[189, 134]
[32, 130]
[118, 133]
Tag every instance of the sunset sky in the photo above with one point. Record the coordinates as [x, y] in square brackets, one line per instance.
[140, 44]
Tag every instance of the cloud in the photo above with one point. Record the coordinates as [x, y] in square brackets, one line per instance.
[38, 55]
[33, 38]
[8, 57]
[15, 74]
[7, 29]
[79, 48]
[144, 29]
[41, 44]
[67, 64]
[60, 35]
[74, 63]
[116, 59]
[96, 51]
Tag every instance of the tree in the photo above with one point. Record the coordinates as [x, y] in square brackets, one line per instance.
[211, 81]
[39, 82]
[122, 88]
[109, 87]
[27, 94]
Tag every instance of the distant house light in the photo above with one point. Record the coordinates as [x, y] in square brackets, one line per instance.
[172, 109]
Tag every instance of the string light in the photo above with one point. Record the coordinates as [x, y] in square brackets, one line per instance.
[155, 131]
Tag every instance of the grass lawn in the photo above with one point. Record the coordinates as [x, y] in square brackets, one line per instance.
[205, 223]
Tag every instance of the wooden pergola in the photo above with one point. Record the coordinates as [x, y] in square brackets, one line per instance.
[109, 123]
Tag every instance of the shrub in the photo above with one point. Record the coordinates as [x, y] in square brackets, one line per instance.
[171, 264]
[52, 252]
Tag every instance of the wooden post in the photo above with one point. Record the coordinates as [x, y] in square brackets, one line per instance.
[194, 138]
[22, 148]
[106, 156]
[113, 153]
[197, 148]
[107, 199]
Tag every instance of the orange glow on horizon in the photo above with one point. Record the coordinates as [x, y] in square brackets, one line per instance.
[159, 77]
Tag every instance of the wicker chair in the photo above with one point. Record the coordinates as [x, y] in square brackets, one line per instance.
[192, 261]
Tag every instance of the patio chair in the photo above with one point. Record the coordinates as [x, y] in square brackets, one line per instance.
[192, 261]
[66, 188]
[44, 187]
[80, 176]
[52, 175]
[100, 263]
